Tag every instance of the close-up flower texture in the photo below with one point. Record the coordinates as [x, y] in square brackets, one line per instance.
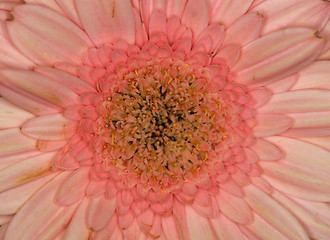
[164, 119]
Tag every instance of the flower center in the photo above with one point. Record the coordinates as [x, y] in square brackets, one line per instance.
[161, 122]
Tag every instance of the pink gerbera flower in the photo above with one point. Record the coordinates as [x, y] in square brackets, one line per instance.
[165, 119]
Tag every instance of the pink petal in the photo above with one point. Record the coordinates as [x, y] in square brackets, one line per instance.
[141, 36]
[49, 127]
[125, 220]
[41, 207]
[111, 232]
[245, 29]
[227, 11]
[28, 102]
[225, 228]
[37, 85]
[266, 150]
[96, 188]
[312, 14]
[310, 220]
[196, 16]
[323, 142]
[45, 36]
[25, 171]
[11, 115]
[260, 229]
[234, 208]
[70, 10]
[216, 33]
[297, 181]
[231, 53]
[11, 57]
[13, 199]
[265, 206]
[198, 227]
[298, 101]
[284, 84]
[157, 22]
[179, 212]
[288, 51]
[51, 4]
[260, 95]
[59, 223]
[269, 125]
[315, 75]
[77, 85]
[170, 228]
[74, 187]
[105, 20]
[132, 232]
[314, 124]
[175, 8]
[77, 228]
[99, 212]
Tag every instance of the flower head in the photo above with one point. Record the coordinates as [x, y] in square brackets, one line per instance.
[177, 119]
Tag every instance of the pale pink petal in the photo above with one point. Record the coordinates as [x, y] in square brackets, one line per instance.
[269, 125]
[175, 8]
[99, 212]
[314, 124]
[170, 228]
[323, 142]
[12, 141]
[43, 209]
[75, 84]
[106, 20]
[111, 232]
[245, 29]
[51, 4]
[37, 85]
[29, 102]
[298, 101]
[260, 229]
[313, 14]
[260, 95]
[45, 36]
[310, 220]
[133, 231]
[49, 146]
[96, 188]
[179, 212]
[74, 187]
[56, 227]
[50, 127]
[216, 33]
[4, 219]
[235, 208]
[8, 160]
[141, 36]
[265, 206]
[11, 115]
[196, 16]
[284, 84]
[198, 227]
[285, 52]
[77, 228]
[13, 199]
[69, 8]
[297, 181]
[11, 57]
[315, 75]
[227, 11]
[266, 150]
[157, 23]
[225, 228]
[25, 171]
[231, 53]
